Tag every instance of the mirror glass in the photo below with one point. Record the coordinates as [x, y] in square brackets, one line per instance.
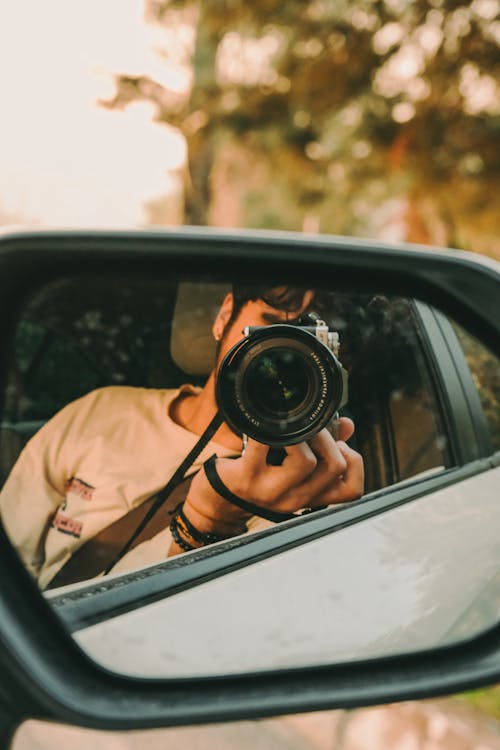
[111, 384]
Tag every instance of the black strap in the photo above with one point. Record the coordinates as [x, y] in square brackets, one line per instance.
[172, 483]
[256, 510]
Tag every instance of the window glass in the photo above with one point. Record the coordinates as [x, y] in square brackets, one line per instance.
[75, 338]
[392, 401]
[485, 371]
[419, 444]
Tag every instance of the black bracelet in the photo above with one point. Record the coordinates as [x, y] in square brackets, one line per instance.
[204, 537]
[256, 510]
[182, 543]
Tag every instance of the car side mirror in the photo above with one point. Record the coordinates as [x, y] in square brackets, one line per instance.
[251, 625]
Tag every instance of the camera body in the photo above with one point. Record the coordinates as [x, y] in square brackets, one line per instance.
[282, 383]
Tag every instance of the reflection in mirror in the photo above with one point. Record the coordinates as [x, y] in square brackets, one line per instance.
[119, 391]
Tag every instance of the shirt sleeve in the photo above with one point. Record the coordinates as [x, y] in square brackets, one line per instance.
[34, 491]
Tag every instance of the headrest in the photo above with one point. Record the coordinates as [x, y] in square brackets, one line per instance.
[192, 344]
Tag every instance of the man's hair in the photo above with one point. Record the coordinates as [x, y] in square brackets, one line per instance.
[285, 298]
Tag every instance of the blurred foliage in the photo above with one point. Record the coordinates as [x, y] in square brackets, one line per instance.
[364, 117]
[487, 701]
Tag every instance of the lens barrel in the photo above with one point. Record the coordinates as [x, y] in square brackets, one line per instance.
[280, 385]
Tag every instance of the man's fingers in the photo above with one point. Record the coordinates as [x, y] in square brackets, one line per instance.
[298, 464]
[323, 472]
[300, 461]
[345, 428]
[350, 485]
[255, 454]
[330, 466]
[328, 453]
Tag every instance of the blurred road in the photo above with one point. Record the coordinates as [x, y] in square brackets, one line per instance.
[423, 725]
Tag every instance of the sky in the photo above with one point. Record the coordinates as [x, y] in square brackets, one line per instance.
[65, 161]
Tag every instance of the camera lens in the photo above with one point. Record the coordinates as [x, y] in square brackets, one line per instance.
[280, 385]
[277, 383]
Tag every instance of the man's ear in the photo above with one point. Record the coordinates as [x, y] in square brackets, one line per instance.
[223, 316]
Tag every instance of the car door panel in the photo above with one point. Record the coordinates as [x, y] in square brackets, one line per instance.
[382, 585]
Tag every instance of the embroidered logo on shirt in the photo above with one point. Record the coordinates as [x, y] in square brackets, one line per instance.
[67, 525]
[79, 487]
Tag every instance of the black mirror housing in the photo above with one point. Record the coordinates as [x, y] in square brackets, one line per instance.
[43, 672]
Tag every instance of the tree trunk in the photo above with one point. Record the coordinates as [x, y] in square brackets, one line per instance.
[199, 130]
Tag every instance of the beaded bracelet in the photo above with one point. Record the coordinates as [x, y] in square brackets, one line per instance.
[182, 543]
[204, 537]
[181, 527]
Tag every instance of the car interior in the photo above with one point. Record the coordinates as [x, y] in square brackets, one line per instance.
[74, 337]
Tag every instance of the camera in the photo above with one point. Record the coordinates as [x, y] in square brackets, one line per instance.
[282, 383]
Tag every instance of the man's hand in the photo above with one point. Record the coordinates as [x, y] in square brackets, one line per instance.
[321, 472]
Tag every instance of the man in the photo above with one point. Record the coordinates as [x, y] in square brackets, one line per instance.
[102, 456]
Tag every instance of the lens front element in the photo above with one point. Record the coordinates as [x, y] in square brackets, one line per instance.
[277, 382]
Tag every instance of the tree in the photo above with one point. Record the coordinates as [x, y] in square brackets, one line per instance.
[338, 116]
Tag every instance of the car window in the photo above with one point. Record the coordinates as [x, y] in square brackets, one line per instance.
[485, 373]
[393, 399]
[76, 338]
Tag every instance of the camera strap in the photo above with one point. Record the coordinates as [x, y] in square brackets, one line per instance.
[256, 510]
[162, 496]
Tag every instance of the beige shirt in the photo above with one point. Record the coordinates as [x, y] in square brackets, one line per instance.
[95, 460]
